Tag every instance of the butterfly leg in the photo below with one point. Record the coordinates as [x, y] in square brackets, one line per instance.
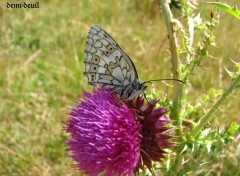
[115, 90]
[127, 91]
[145, 96]
[122, 94]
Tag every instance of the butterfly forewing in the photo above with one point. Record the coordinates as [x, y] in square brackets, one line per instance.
[106, 63]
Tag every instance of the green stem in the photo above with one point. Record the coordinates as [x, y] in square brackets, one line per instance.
[174, 60]
[177, 90]
[205, 119]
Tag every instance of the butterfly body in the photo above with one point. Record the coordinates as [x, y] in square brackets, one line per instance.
[133, 89]
[107, 65]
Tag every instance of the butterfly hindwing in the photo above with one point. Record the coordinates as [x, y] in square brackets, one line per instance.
[107, 65]
[105, 62]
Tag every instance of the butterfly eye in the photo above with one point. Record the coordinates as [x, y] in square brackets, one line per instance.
[139, 87]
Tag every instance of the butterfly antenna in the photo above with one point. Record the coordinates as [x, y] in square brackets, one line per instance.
[154, 80]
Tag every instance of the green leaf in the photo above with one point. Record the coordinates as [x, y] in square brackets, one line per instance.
[233, 128]
[232, 10]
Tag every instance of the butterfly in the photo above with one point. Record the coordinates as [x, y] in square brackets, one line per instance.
[107, 65]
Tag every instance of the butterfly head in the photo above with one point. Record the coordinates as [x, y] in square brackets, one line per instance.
[141, 87]
[135, 89]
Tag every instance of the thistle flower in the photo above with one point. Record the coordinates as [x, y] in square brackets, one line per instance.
[113, 138]
[153, 131]
[105, 136]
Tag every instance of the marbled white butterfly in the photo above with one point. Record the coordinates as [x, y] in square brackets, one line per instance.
[107, 65]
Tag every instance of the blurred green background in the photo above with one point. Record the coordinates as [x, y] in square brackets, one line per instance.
[41, 74]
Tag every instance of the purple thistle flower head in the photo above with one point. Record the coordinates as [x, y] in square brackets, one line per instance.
[153, 131]
[104, 135]
[113, 138]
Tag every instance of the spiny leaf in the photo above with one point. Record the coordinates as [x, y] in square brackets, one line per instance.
[232, 10]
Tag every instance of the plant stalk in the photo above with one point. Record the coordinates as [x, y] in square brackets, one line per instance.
[205, 119]
[174, 61]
